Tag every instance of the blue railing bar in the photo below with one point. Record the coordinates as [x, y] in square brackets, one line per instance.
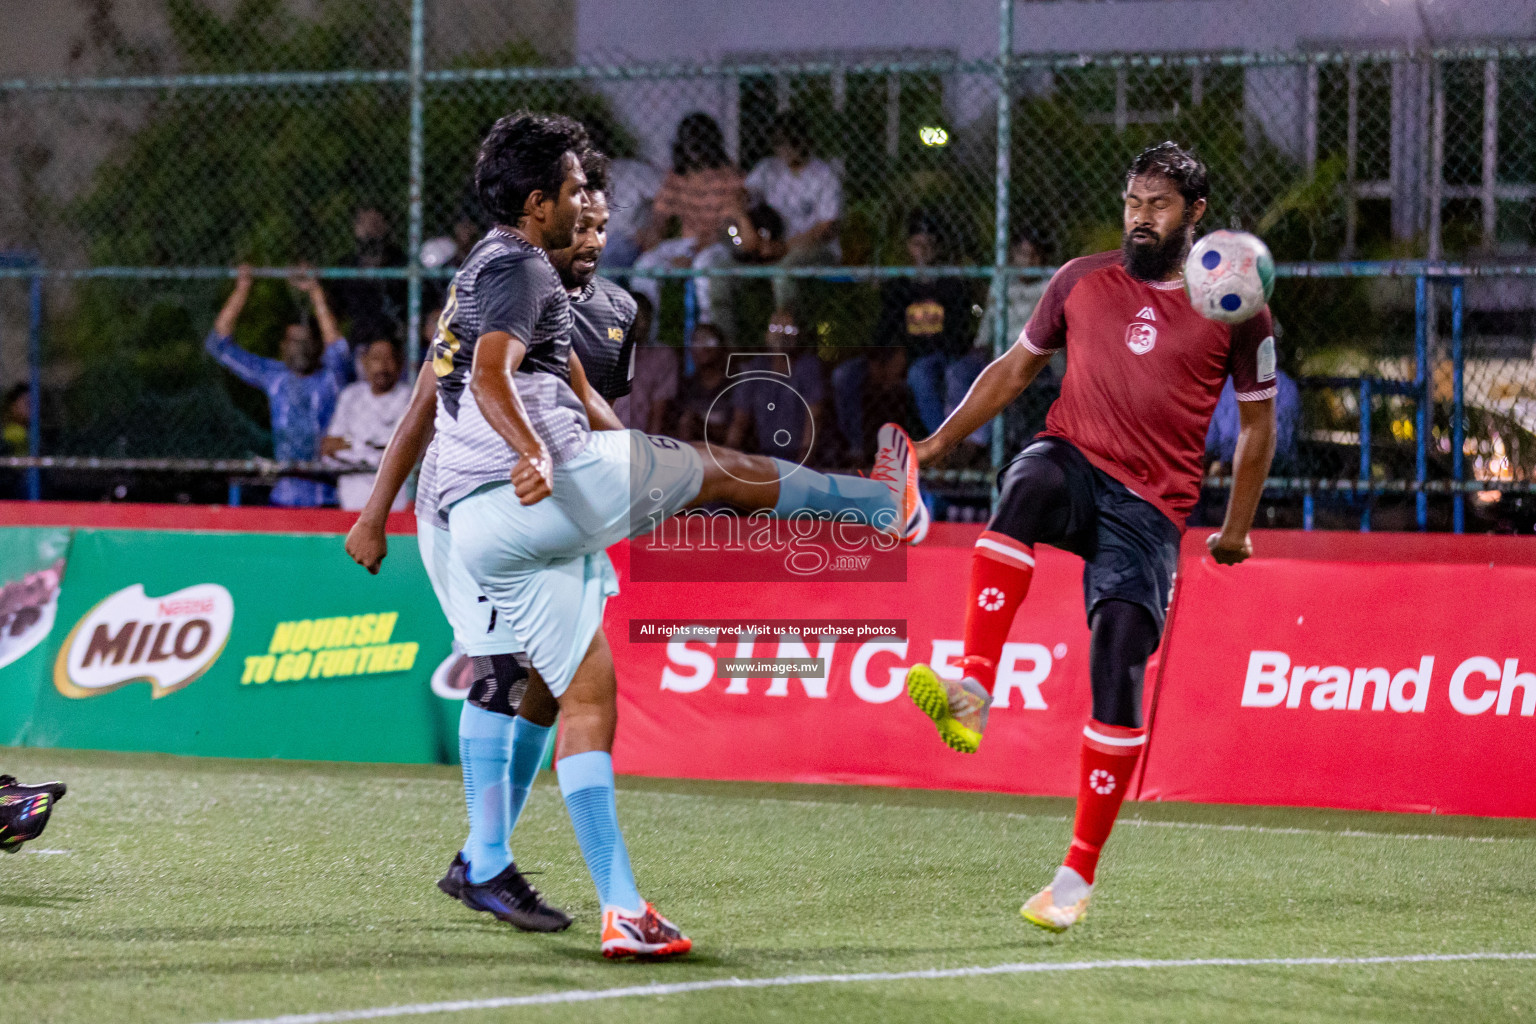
[1379, 385]
[1423, 310]
[678, 70]
[1002, 175]
[1458, 409]
[1365, 448]
[1391, 268]
[417, 145]
[234, 80]
[1308, 510]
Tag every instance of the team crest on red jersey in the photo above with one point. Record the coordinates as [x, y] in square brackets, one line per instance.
[1140, 338]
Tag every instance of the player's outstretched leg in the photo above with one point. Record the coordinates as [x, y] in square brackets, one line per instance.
[1002, 566]
[887, 499]
[500, 755]
[1124, 637]
[24, 810]
[630, 925]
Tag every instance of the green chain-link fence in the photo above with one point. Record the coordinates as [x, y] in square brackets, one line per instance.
[344, 141]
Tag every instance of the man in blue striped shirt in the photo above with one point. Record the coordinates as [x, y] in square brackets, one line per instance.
[301, 387]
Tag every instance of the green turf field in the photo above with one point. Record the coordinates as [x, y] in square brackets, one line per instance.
[189, 891]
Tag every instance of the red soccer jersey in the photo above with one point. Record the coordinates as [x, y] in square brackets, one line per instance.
[1144, 371]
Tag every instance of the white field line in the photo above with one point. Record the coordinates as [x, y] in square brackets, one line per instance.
[1275, 830]
[582, 995]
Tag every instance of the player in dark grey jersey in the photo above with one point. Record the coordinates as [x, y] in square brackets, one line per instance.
[536, 548]
[602, 313]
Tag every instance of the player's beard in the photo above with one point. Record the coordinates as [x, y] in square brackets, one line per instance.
[1155, 261]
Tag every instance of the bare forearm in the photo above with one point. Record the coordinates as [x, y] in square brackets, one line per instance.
[1004, 379]
[406, 445]
[1250, 468]
[329, 330]
[225, 322]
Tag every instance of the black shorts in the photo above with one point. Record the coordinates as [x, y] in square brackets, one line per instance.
[1131, 549]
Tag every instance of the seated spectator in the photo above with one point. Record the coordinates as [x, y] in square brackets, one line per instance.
[1221, 436]
[807, 193]
[925, 325]
[16, 430]
[704, 191]
[783, 395]
[373, 300]
[301, 388]
[1022, 293]
[365, 418]
[652, 400]
[701, 416]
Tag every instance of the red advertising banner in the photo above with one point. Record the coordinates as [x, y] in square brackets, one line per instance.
[679, 719]
[1356, 675]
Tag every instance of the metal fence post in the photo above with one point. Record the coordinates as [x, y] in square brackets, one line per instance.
[1458, 410]
[35, 383]
[1421, 389]
[1000, 233]
[1365, 453]
[413, 281]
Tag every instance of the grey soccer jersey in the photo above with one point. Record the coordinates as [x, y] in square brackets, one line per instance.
[506, 284]
[602, 315]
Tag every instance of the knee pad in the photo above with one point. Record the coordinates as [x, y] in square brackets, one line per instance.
[500, 680]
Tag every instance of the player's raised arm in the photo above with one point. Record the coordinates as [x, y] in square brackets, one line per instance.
[366, 541]
[497, 356]
[1250, 467]
[1004, 379]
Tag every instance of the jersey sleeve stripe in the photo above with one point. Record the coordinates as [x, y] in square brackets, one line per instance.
[1024, 340]
[1257, 396]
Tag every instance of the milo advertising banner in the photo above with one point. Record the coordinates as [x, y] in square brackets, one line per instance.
[31, 572]
[228, 644]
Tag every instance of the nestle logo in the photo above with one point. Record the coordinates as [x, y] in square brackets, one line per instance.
[186, 606]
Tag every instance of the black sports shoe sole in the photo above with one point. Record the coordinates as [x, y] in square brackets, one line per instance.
[522, 922]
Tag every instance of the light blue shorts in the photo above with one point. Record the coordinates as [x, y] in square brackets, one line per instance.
[544, 565]
[478, 628]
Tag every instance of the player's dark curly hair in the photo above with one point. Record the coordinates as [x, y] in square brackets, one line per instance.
[1178, 165]
[524, 153]
[595, 166]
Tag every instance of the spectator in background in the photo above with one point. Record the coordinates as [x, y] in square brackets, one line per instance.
[924, 325]
[301, 388]
[16, 428]
[705, 191]
[1022, 293]
[1221, 436]
[784, 395]
[807, 193]
[372, 300]
[700, 416]
[365, 417]
[652, 400]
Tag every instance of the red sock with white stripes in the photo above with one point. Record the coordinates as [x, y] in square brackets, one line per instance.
[1110, 753]
[1001, 569]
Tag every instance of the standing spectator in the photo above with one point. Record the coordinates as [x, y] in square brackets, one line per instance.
[652, 399]
[1022, 293]
[365, 418]
[301, 388]
[924, 325]
[705, 191]
[16, 430]
[807, 193]
[703, 414]
[784, 395]
[373, 300]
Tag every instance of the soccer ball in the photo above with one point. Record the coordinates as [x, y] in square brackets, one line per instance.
[1229, 275]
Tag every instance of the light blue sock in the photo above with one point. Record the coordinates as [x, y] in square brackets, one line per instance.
[485, 743]
[529, 742]
[586, 782]
[832, 492]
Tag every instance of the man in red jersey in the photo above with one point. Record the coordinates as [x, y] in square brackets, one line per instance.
[1112, 478]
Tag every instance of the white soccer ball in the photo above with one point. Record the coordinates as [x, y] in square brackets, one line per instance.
[1229, 276]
